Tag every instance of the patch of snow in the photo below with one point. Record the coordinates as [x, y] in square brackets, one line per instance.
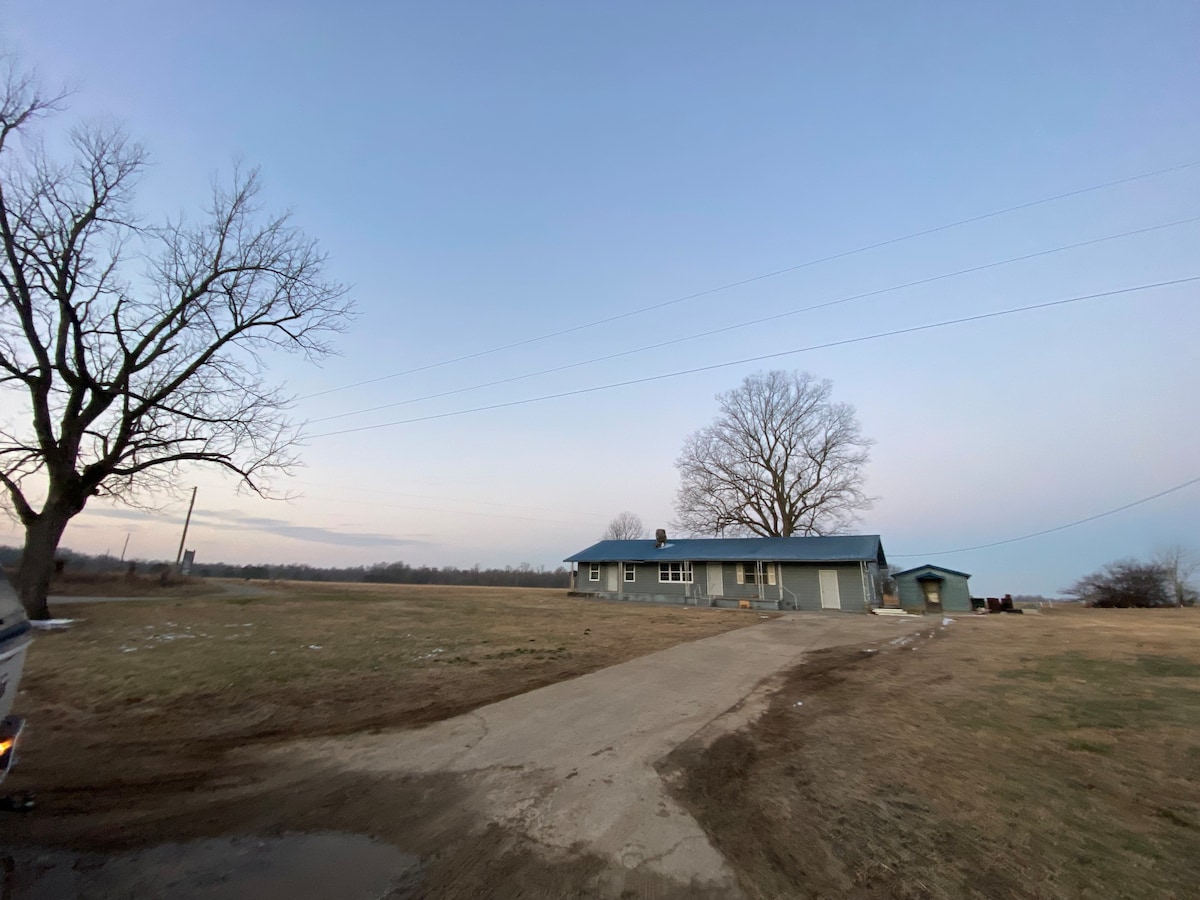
[314, 646]
[947, 621]
[50, 624]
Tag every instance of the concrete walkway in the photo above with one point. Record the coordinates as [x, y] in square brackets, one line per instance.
[572, 765]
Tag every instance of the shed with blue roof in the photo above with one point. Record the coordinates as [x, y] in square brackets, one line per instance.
[934, 589]
[835, 572]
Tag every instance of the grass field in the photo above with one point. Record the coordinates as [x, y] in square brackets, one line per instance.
[160, 587]
[151, 693]
[1047, 756]
[1051, 756]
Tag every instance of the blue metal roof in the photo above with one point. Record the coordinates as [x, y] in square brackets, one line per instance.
[835, 548]
[931, 566]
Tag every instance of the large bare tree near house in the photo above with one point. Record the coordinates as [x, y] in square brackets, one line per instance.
[781, 459]
[625, 526]
[131, 349]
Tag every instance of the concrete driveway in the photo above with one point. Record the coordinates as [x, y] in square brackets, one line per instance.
[572, 765]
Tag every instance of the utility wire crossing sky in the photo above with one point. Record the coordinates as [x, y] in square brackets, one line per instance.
[771, 356]
[761, 321]
[485, 175]
[804, 265]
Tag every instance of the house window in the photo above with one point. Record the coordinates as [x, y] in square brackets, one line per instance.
[747, 573]
[594, 572]
[630, 572]
[675, 571]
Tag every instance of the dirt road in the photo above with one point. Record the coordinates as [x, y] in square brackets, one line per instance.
[547, 794]
[571, 766]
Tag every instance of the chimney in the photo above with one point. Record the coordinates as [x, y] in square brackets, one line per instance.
[660, 538]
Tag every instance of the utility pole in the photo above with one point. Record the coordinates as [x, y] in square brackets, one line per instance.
[186, 522]
[128, 534]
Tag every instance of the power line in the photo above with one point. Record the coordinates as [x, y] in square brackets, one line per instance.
[1025, 537]
[754, 278]
[760, 321]
[714, 366]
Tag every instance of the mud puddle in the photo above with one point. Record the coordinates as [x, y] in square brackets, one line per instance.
[288, 867]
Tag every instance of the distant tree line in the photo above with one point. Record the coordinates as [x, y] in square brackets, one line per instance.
[523, 575]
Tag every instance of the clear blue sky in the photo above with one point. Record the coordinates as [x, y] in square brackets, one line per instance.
[484, 173]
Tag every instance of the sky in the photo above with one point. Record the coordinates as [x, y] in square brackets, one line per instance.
[515, 190]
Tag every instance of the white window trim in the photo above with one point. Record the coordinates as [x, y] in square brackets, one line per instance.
[684, 572]
[593, 571]
[630, 572]
[747, 573]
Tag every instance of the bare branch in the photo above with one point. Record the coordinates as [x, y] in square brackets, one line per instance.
[625, 526]
[137, 350]
[780, 459]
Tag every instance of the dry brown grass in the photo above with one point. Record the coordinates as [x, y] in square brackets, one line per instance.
[108, 584]
[148, 695]
[1053, 756]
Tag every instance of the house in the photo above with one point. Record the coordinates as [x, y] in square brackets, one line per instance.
[837, 572]
[931, 588]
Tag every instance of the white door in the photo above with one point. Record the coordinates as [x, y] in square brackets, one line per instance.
[612, 569]
[716, 580]
[830, 598]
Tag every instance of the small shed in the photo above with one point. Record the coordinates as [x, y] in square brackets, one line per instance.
[931, 588]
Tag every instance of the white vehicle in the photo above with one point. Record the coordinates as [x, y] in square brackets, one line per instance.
[15, 635]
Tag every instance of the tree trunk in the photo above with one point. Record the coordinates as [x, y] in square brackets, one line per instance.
[37, 560]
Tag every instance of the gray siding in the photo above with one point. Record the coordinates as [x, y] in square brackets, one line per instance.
[850, 588]
[735, 591]
[583, 581]
[644, 587]
[798, 583]
[804, 585]
[801, 587]
[956, 594]
[910, 592]
[647, 583]
[874, 585]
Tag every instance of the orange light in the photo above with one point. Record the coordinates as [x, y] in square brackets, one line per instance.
[5, 746]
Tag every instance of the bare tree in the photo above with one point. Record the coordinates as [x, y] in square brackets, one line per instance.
[625, 526]
[1179, 567]
[780, 459]
[1125, 584]
[133, 349]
